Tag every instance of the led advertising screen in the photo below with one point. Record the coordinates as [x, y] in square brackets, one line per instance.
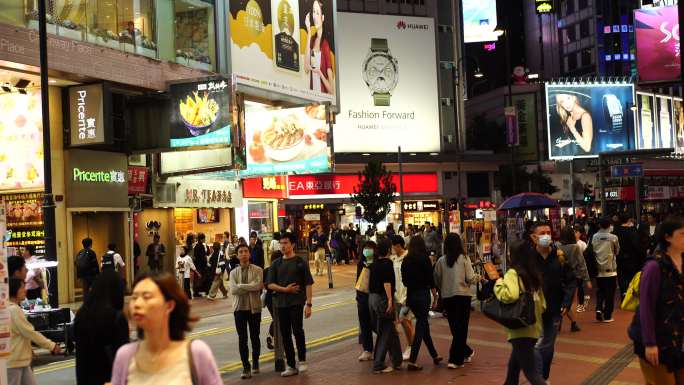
[388, 94]
[200, 113]
[479, 20]
[657, 43]
[584, 120]
[678, 112]
[285, 46]
[291, 140]
[646, 132]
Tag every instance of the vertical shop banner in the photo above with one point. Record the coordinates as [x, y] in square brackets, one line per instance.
[4, 288]
[21, 135]
[24, 221]
[285, 46]
[678, 112]
[291, 140]
[584, 120]
[89, 114]
[526, 108]
[657, 43]
[388, 93]
[479, 21]
[665, 128]
[646, 132]
[200, 113]
[137, 180]
[512, 134]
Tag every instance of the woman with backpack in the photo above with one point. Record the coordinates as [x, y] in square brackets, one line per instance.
[454, 276]
[521, 277]
[659, 322]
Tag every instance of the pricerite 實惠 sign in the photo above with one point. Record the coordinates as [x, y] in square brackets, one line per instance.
[96, 179]
[87, 115]
[388, 94]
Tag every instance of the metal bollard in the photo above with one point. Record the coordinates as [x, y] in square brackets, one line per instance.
[330, 277]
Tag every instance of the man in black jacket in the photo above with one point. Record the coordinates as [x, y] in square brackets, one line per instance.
[559, 286]
[631, 257]
[87, 268]
[256, 250]
[200, 259]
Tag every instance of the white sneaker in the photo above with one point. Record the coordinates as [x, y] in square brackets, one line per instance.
[302, 367]
[609, 320]
[366, 356]
[469, 359]
[454, 366]
[289, 372]
[407, 354]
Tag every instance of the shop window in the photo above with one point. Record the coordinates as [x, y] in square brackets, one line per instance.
[194, 34]
[478, 185]
[12, 12]
[260, 217]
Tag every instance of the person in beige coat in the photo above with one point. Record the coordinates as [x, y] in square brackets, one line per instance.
[246, 284]
[22, 334]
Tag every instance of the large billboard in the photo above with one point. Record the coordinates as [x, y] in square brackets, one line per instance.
[646, 128]
[661, 122]
[657, 41]
[291, 140]
[388, 93]
[479, 21]
[678, 113]
[584, 120]
[285, 46]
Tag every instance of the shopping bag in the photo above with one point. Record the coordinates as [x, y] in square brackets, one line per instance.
[631, 300]
[363, 282]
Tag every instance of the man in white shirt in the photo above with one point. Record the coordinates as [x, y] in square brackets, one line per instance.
[112, 260]
[34, 277]
[606, 248]
[399, 252]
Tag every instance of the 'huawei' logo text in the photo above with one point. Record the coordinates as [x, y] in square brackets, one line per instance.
[401, 24]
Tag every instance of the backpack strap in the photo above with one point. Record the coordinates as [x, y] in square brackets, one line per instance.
[191, 362]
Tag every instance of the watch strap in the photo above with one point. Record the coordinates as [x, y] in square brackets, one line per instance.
[378, 44]
[381, 99]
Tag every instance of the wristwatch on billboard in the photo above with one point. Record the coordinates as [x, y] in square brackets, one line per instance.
[380, 71]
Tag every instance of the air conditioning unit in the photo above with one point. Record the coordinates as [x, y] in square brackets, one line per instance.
[165, 193]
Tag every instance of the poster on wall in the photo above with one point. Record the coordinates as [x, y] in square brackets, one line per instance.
[285, 46]
[664, 113]
[584, 120]
[24, 221]
[200, 113]
[479, 21]
[21, 135]
[291, 140]
[646, 132]
[657, 43]
[678, 109]
[388, 94]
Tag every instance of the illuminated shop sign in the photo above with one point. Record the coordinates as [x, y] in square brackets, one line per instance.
[88, 114]
[543, 6]
[99, 176]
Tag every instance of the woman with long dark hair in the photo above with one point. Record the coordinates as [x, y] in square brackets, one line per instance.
[416, 274]
[318, 61]
[521, 277]
[573, 255]
[661, 309]
[100, 329]
[454, 276]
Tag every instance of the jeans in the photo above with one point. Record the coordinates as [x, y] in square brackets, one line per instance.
[291, 320]
[580, 291]
[186, 287]
[458, 313]
[20, 376]
[523, 357]
[605, 296]
[388, 339]
[546, 344]
[365, 326]
[87, 284]
[418, 300]
[216, 285]
[243, 321]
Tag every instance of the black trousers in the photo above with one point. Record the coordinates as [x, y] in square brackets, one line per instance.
[458, 313]
[605, 295]
[580, 291]
[418, 300]
[625, 273]
[33, 293]
[523, 358]
[291, 320]
[87, 284]
[247, 320]
[186, 287]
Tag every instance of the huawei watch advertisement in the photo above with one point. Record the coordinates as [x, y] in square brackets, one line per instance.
[657, 43]
[200, 113]
[584, 120]
[287, 141]
[388, 94]
[660, 122]
[285, 46]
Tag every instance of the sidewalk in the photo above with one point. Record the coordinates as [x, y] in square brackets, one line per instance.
[587, 355]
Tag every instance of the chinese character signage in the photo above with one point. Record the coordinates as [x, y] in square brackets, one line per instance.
[209, 193]
[88, 118]
[266, 187]
[657, 42]
[137, 180]
[96, 179]
[421, 206]
[4, 288]
[200, 113]
[301, 186]
[24, 220]
[526, 108]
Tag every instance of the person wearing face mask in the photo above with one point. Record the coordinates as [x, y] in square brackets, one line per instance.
[606, 247]
[559, 284]
[363, 310]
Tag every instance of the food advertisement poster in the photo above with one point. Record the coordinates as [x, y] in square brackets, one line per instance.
[657, 43]
[388, 94]
[584, 120]
[646, 133]
[201, 113]
[24, 220]
[285, 46]
[21, 135]
[292, 140]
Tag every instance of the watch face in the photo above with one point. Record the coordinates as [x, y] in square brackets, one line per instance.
[380, 72]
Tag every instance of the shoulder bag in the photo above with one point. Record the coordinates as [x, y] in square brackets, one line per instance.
[516, 315]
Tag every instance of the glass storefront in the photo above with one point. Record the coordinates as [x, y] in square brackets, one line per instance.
[141, 27]
[260, 216]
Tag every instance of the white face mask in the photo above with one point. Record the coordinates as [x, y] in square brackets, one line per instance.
[545, 240]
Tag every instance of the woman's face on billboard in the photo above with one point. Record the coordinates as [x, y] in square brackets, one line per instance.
[566, 101]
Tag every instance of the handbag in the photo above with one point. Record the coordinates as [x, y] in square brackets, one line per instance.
[363, 282]
[516, 315]
[631, 300]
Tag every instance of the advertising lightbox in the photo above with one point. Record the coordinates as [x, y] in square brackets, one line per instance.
[285, 46]
[291, 140]
[646, 132]
[388, 93]
[678, 112]
[660, 122]
[479, 21]
[200, 113]
[657, 43]
[664, 113]
[584, 120]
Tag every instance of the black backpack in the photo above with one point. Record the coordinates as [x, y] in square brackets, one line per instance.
[108, 261]
[83, 263]
[590, 258]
